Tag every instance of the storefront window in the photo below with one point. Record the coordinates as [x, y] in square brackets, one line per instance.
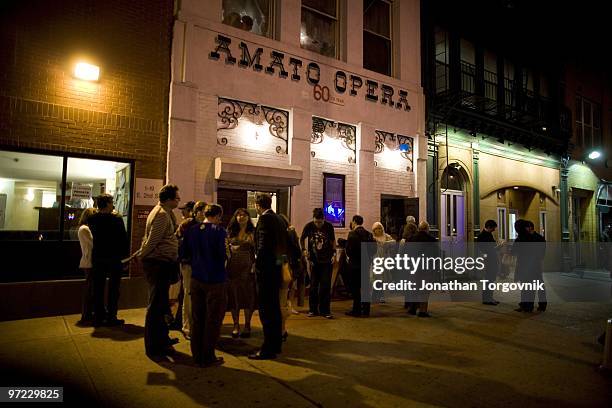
[256, 16]
[34, 199]
[334, 205]
[319, 32]
[87, 179]
[30, 196]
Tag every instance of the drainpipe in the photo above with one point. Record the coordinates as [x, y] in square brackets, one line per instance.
[563, 201]
[432, 187]
[476, 188]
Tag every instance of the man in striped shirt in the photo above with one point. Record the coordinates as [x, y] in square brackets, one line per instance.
[159, 255]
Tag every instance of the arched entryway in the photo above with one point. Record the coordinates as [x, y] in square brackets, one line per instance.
[453, 204]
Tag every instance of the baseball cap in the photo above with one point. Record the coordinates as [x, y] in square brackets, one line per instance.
[188, 204]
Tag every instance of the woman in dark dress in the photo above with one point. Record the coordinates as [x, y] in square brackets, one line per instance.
[241, 247]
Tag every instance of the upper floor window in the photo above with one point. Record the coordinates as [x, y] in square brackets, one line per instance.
[588, 123]
[256, 16]
[441, 52]
[319, 31]
[468, 66]
[377, 51]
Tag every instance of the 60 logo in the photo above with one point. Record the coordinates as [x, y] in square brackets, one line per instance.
[321, 93]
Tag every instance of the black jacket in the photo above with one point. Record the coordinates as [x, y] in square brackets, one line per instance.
[271, 239]
[110, 240]
[353, 245]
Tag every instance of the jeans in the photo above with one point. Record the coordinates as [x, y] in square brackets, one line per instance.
[101, 269]
[320, 288]
[186, 272]
[156, 337]
[208, 303]
[270, 315]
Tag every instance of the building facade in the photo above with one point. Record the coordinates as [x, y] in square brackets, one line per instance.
[318, 103]
[64, 140]
[588, 93]
[496, 123]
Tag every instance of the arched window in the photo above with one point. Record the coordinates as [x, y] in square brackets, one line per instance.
[451, 179]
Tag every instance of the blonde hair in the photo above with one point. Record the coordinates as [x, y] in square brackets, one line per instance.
[88, 212]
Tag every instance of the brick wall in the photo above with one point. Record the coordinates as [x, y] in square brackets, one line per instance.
[317, 168]
[124, 114]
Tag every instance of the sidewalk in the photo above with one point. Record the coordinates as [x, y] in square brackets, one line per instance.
[467, 354]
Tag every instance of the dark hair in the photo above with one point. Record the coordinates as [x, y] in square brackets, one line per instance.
[104, 200]
[519, 226]
[264, 200]
[247, 20]
[490, 224]
[234, 227]
[410, 229]
[168, 192]
[212, 210]
[318, 213]
[199, 206]
[529, 224]
[358, 219]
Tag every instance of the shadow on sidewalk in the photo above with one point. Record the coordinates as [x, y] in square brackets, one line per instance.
[342, 372]
[126, 332]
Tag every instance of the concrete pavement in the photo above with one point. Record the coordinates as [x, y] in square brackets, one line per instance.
[467, 354]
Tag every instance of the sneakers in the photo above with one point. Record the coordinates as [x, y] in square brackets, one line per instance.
[329, 316]
[311, 314]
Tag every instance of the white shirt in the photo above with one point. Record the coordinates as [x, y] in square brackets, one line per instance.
[86, 241]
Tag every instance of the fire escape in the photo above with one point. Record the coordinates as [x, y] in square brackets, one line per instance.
[471, 97]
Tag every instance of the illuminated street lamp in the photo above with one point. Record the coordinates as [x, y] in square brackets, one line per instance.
[87, 72]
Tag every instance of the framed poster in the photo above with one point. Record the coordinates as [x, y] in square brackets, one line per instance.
[334, 205]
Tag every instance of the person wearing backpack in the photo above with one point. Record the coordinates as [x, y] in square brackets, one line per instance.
[320, 251]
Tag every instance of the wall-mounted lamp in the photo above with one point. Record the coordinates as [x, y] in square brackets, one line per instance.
[595, 154]
[87, 72]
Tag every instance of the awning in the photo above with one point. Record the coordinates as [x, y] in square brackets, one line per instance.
[239, 172]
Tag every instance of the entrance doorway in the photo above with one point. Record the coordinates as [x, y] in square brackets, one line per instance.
[393, 213]
[452, 205]
[233, 199]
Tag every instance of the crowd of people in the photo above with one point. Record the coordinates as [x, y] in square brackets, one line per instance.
[245, 267]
